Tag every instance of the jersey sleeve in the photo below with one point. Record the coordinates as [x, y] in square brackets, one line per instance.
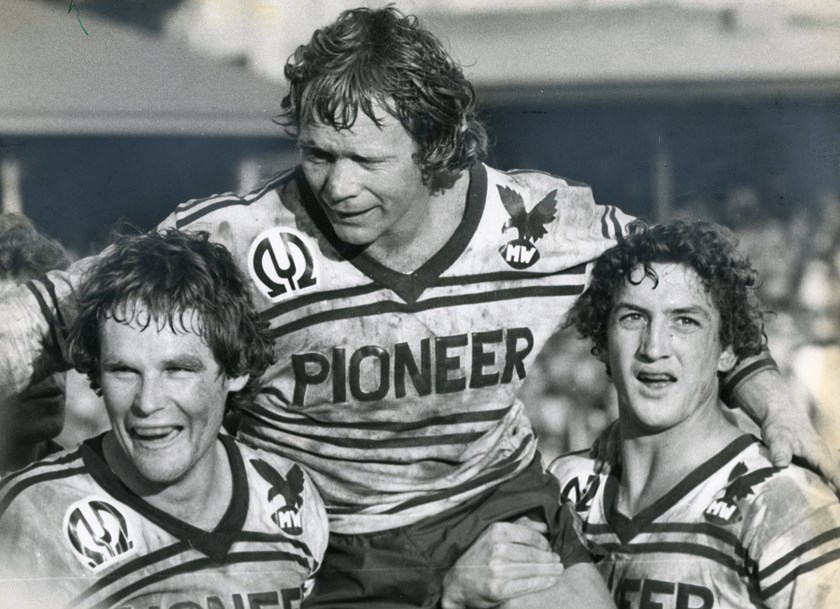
[794, 536]
[35, 320]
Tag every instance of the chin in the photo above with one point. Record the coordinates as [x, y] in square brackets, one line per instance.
[355, 235]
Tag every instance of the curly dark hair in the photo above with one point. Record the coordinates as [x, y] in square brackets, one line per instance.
[169, 275]
[24, 252]
[369, 56]
[709, 249]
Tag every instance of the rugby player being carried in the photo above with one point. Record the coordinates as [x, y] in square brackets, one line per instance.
[409, 288]
[162, 511]
[696, 516]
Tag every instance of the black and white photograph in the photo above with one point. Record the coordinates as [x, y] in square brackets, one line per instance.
[448, 304]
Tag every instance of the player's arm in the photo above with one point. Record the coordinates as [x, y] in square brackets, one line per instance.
[757, 387]
[513, 563]
[506, 561]
[580, 586]
[33, 320]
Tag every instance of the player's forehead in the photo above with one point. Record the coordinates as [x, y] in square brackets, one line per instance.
[134, 330]
[380, 134]
[664, 287]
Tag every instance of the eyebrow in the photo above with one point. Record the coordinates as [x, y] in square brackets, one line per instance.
[691, 310]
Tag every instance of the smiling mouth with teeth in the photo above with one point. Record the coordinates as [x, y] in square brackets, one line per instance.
[651, 378]
[154, 434]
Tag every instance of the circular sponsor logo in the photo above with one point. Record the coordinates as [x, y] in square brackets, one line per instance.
[281, 263]
[98, 532]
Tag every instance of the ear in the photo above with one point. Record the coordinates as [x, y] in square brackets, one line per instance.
[727, 360]
[236, 383]
[604, 358]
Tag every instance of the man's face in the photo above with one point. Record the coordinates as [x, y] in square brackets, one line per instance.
[366, 179]
[663, 348]
[165, 395]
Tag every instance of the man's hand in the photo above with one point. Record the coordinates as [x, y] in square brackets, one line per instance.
[786, 429]
[506, 561]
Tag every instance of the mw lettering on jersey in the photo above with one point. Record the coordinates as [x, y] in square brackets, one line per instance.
[445, 364]
[287, 598]
[649, 593]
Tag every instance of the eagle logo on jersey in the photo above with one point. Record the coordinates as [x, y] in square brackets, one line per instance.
[530, 225]
[290, 487]
[724, 509]
[581, 491]
[281, 263]
[98, 533]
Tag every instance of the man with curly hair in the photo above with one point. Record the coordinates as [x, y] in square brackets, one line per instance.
[409, 288]
[162, 510]
[696, 516]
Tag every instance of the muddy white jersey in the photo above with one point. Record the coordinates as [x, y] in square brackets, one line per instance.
[75, 536]
[735, 533]
[398, 390]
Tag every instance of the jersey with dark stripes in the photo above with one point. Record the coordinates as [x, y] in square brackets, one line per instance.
[75, 536]
[735, 533]
[398, 390]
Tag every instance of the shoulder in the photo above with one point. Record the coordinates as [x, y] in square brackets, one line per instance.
[777, 496]
[548, 198]
[266, 198]
[790, 527]
[285, 491]
[27, 487]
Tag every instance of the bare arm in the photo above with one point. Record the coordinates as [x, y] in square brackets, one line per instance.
[580, 586]
[506, 561]
[788, 431]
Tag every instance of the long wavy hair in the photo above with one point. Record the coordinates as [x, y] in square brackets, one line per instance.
[380, 56]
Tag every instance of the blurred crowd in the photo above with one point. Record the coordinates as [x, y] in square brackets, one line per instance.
[569, 396]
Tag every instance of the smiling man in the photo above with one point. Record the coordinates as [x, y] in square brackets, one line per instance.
[697, 516]
[409, 288]
[162, 511]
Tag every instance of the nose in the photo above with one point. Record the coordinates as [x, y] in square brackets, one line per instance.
[342, 180]
[656, 341]
[148, 397]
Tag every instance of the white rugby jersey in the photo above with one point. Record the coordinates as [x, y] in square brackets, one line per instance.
[736, 532]
[398, 391]
[74, 536]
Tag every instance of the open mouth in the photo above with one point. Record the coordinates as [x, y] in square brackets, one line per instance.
[655, 379]
[155, 435]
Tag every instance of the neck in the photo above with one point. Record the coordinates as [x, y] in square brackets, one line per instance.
[654, 462]
[200, 498]
[407, 252]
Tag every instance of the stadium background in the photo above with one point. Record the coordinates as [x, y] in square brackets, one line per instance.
[719, 109]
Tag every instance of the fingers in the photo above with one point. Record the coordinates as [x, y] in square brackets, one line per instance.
[518, 587]
[780, 442]
[539, 527]
[512, 533]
